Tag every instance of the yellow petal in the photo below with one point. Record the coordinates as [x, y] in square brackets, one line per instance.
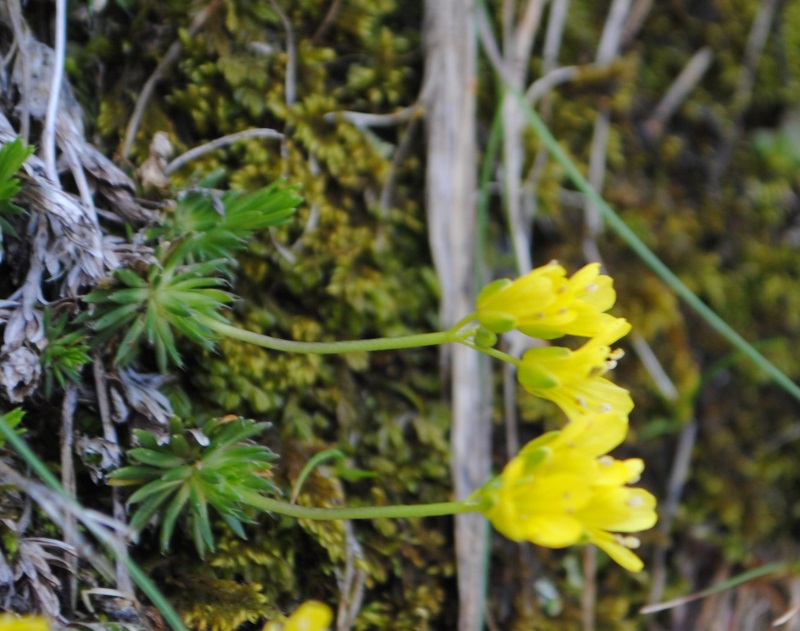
[310, 616]
[595, 434]
[546, 304]
[592, 396]
[620, 553]
[552, 530]
[559, 493]
[618, 472]
[619, 509]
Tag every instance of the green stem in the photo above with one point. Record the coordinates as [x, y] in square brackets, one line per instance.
[357, 512]
[645, 253]
[316, 459]
[462, 323]
[497, 354]
[330, 348]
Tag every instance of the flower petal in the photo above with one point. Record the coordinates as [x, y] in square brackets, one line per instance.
[620, 553]
[544, 303]
[619, 509]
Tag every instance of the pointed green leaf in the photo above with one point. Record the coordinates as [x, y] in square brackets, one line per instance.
[171, 515]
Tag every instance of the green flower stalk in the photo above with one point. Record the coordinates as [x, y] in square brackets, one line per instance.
[562, 489]
[334, 348]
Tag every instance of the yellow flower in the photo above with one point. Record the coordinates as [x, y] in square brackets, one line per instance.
[10, 622]
[573, 380]
[546, 304]
[563, 489]
[310, 616]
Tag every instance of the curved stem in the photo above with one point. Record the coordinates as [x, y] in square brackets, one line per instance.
[497, 354]
[463, 322]
[329, 348]
[357, 512]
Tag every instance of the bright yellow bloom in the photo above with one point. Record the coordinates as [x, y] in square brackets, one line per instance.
[562, 489]
[573, 380]
[312, 615]
[546, 304]
[9, 622]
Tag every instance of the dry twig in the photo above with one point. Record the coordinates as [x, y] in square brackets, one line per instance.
[450, 103]
[351, 585]
[330, 16]
[759, 33]
[68, 406]
[123, 579]
[291, 55]
[173, 52]
[215, 144]
[678, 91]
[22, 38]
[50, 121]
[362, 119]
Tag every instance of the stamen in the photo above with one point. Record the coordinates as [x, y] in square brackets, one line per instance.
[631, 542]
[605, 461]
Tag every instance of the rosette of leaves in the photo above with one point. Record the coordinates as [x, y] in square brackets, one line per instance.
[12, 155]
[10, 422]
[207, 224]
[169, 298]
[184, 473]
[65, 354]
[197, 244]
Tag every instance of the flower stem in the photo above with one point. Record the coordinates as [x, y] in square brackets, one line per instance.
[463, 322]
[330, 348]
[358, 512]
[497, 354]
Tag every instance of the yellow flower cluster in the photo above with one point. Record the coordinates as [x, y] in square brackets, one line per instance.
[546, 304]
[563, 489]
